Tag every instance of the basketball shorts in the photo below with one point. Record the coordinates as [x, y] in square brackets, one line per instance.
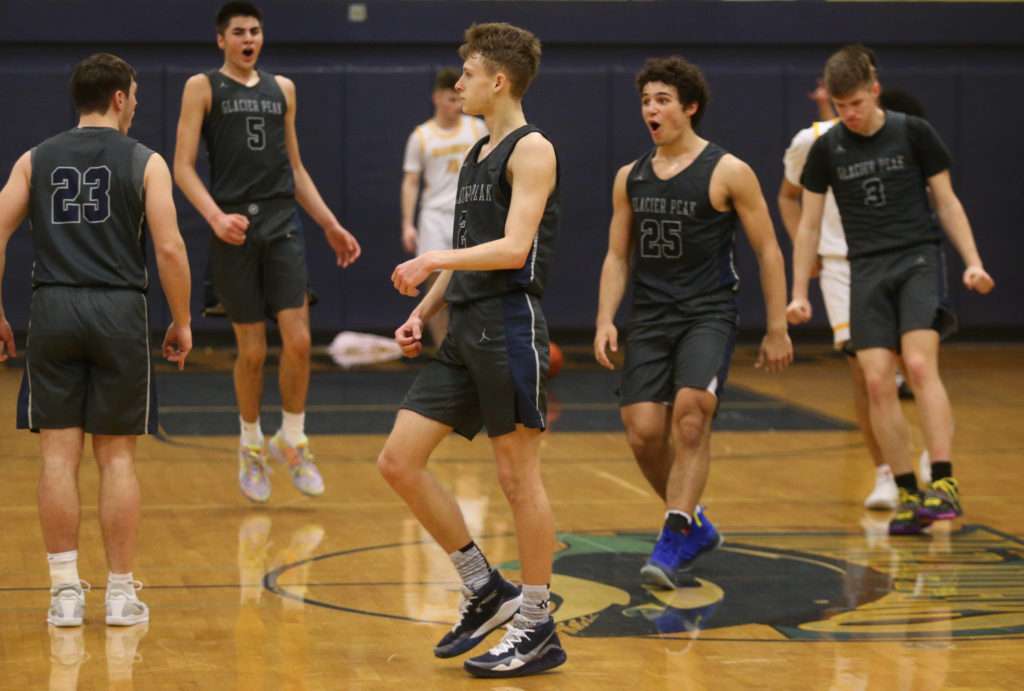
[835, 291]
[491, 369]
[88, 362]
[893, 293]
[667, 351]
[265, 274]
[435, 228]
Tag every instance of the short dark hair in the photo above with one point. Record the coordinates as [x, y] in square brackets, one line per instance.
[901, 101]
[850, 68]
[446, 79]
[236, 9]
[686, 77]
[504, 48]
[96, 79]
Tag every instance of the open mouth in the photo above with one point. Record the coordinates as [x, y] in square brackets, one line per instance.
[247, 52]
[654, 126]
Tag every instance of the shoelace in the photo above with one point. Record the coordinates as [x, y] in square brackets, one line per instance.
[256, 466]
[509, 640]
[305, 467]
[946, 486]
[464, 604]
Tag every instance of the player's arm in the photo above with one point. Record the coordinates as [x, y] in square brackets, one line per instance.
[410, 192]
[409, 336]
[789, 207]
[748, 201]
[171, 259]
[14, 198]
[615, 270]
[805, 254]
[532, 169]
[954, 221]
[195, 104]
[344, 244]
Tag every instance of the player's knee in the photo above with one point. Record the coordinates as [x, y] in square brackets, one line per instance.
[879, 386]
[252, 357]
[689, 429]
[918, 370]
[298, 343]
[390, 469]
[644, 439]
[515, 482]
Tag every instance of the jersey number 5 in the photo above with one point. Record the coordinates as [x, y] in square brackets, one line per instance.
[70, 203]
[257, 139]
[661, 239]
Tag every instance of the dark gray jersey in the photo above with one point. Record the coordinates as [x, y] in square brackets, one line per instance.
[683, 245]
[481, 209]
[87, 209]
[244, 134]
[880, 182]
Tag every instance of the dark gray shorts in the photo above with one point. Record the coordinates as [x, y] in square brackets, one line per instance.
[891, 294]
[491, 369]
[667, 351]
[267, 273]
[88, 362]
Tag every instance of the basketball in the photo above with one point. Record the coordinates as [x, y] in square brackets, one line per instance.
[555, 365]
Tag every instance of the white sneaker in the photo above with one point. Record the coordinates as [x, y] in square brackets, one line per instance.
[67, 604]
[924, 468]
[123, 606]
[885, 495]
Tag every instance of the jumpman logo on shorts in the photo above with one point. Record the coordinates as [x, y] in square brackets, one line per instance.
[483, 336]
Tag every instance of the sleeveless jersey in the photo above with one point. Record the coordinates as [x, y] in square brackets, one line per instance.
[437, 155]
[684, 246]
[87, 210]
[245, 142]
[880, 182]
[832, 240]
[481, 209]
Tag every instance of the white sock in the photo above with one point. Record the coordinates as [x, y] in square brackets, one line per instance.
[125, 580]
[251, 432]
[63, 568]
[535, 603]
[293, 426]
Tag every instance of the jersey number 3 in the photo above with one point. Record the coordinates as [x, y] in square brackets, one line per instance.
[874, 192]
[71, 203]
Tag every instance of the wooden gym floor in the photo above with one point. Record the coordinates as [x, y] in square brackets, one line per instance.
[346, 591]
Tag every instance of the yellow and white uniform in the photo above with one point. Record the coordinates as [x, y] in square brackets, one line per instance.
[437, 156]
[835, 268]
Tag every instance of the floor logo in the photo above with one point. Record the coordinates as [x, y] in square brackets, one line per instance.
[760, 585]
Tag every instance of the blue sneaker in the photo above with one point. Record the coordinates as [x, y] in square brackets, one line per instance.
[480, 613]
[674, 553]
[525, 649]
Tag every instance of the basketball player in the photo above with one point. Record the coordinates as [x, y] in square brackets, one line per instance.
[881, 166]
[834, 279]
[257, 260]
[491, 369]
[88, 193]
[434, 153]
[675, 211]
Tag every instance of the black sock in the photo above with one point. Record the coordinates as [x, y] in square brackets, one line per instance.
[678, 522]
[941, 469]
[908, 481]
